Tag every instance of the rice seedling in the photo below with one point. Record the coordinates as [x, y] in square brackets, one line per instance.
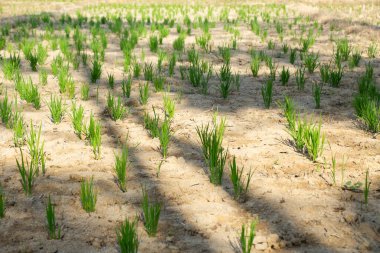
[36, 148]
[2, 203]
[354, 59]
[144, 93]
[203, 41]
[314, 140]
[271, 45]
[116, 109]
[307, 43]
[54, 230]
[164, 135]
[266, 92]
[285, 48]
[56, 109]
[88, 195]
[211, 140]
[179, 44]
[247, 237]
[240, 185]
[11, 67]
[42, 54]
[70, 88]
[95, 71]
[297, 133]
[127, 237]
[27, 172]
[153, 43]
[311, 61]
[33, 60]
[148, 72]
[121, 165]
[136, 69]
[226, 80]
[169, 107]
[126, 85]
[93, 134]
[19, 130]
[77, 115]
[225, 53]
[367, 184]
[161, 57]
[152, 123]
[289, 112]
[285, 74]
[172, 63]
[370, 114]
[28, 91]
[111, 81]
[300, 78]
[317, 89]
[343, 49]
[84, 91]
[158, 82]
[255, 66]
[325, 73]
[336, 76]
[372, 50]
[5, 110]
[43, 75]
[151, 212]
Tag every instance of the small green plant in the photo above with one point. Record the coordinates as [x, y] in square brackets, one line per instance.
[111, 81]
[88, 195]
[300, 78]
[43, 75]
[93, 134]
[311, 61]
[226, 80]
[317, 89]
[95, 71]
[116, 109]
[325, 73]
[19, 130]
[56, 108]
[153, 44]
[136, 68]
[127, 237]
[36, 148]
[285, 74]
[169, 107]
[172, 63]
[179, 44]
[148, 72]
[54, 230]
[126, 85]
[240, 186]
[164, 137]
[372, 50]
[2, 204]
[266, 92]
[152, 123]
[159, 82]
[121, 165]
[5, 110]
[355, 59]
[336, 76]
[314, 141]
[292, 55]
[28, 91]
[255, 66]
[211, 140]
[151, 212]
[367, 184]
[289, 112]
[84, 91]
[27, 172]
[343, 49]
[247, 237]
[144, 93]
[77, 115]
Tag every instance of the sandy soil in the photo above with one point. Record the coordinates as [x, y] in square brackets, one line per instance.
[298, 207]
